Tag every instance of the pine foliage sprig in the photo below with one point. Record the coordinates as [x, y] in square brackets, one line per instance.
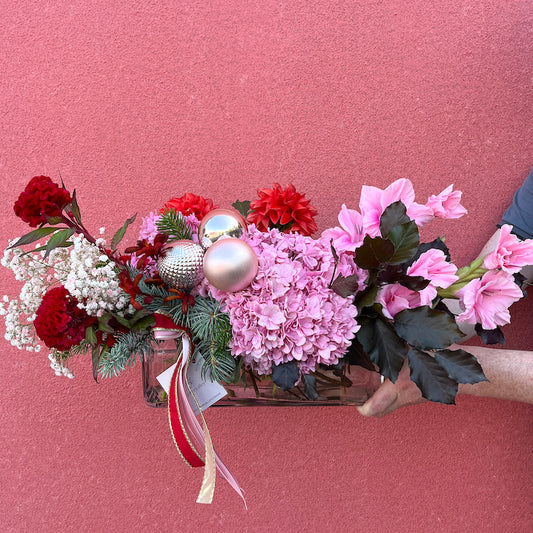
[211, 329]
[159, 294]
[125, 351]
[82, 348]
[207, 320]
[217, 361]
[173, 224]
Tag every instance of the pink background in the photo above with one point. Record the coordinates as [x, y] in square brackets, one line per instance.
[135, 102]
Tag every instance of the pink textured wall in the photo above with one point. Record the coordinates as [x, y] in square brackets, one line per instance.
[135, 102]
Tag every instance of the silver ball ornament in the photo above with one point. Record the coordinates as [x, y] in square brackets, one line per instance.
[180, 265]
[230, 264]
[221, 223]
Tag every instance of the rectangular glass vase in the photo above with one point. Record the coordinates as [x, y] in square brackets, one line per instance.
[353, 387]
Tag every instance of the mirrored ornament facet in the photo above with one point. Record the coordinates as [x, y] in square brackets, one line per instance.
[180, 266]
[230, 264]
[220, 223]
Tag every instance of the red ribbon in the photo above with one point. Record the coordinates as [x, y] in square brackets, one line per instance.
[190, 438]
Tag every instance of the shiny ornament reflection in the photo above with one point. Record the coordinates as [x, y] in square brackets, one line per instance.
[230, 265]
[180, 266]
[220, 223]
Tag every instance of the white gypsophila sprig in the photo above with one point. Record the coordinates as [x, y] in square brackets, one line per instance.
[19, 314]
[58, 367]
[92, 278]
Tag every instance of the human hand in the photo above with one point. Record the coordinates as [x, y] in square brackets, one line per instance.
[391, 396]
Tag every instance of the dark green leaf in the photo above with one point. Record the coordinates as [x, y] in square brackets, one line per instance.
[345, 286]
[119, 235]
[395, 274]
[357, 356]
[426, 328]
[121, 320]
[90, 336]
[415, 283]
[309, 382]
[366, 297]
[58, 240]
[53, 220]
[405, 239]
[461, 366]
[96, 360]
[76, 208]
[490, 336]
[242, 207]
[143, 323]
[373, 252]
[139, 314]
[285, 375]
[61, 178]
[431, 378]
[394, 215]
[33, 236]
[103, 324]
[383, 346]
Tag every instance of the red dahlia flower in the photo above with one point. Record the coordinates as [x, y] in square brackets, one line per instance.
[285, 209]
[190, 204]
[60, 324]
[41, 198]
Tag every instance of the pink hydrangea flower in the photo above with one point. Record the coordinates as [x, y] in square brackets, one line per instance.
[447, 204]
[374, 201]
[288, 312]
[511, 253]
[432, 265]
[487, 300]
[148, 229]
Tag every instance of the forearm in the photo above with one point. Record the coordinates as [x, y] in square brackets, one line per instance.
[510, 374]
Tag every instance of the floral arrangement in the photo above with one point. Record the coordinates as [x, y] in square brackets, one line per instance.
[257, 294]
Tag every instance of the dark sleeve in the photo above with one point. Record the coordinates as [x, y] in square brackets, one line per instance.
[520, 213]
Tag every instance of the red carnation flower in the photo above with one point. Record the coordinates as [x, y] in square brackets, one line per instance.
[60, 324]
[284, 209]
[190, 204]
[41, 198]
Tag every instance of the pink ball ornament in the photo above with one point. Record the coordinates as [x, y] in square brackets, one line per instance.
[230, 264]
[220, 224]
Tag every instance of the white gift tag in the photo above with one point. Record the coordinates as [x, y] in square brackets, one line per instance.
[207, 392]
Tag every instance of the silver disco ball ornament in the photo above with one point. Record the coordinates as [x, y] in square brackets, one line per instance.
[220, 224]
[180, 266]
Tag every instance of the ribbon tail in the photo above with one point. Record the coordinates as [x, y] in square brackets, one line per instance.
[190, 437]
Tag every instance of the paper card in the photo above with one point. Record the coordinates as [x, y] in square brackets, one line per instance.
[207, 392]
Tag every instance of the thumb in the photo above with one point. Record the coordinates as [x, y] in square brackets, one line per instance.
[380, 402]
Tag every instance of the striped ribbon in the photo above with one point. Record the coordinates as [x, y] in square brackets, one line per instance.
[189, 436]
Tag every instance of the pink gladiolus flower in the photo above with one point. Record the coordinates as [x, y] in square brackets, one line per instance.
[395, 298]
[487, 300]
[511, 253]
[447, 204]
[432, 265]
[350, 235]
[374, 201]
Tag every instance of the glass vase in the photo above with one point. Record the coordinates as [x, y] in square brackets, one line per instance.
[165, 355]
[353, 387]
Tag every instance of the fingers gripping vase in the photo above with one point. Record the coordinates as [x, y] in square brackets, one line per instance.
[353, 387]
